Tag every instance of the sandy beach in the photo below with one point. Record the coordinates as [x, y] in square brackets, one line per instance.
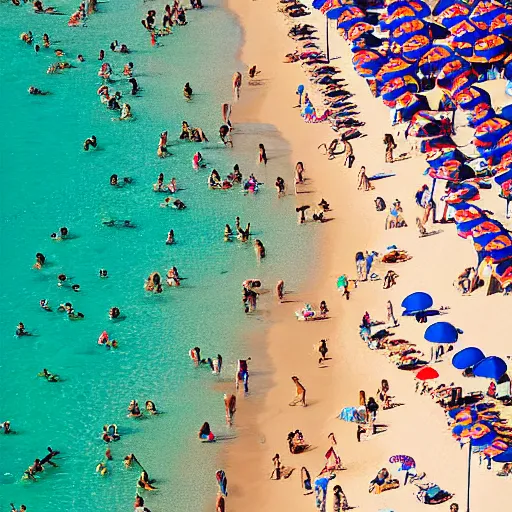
[418, 427]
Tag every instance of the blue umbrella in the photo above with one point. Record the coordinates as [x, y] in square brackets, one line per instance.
[441, 332]
[505, 456]
[467, 357]
[417, 301]
[317, 4]
[491, 367]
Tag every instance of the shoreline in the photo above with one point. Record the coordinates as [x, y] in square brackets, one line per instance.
[262, 424]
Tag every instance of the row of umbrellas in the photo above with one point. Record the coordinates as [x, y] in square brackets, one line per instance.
[491, 367]
[465, 38]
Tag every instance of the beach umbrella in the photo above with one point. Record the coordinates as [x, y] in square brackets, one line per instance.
[358, 29]
[454, 13]
[367, 63]
[435, 58]
[416, 302]
[394, 68]
[466, 32]
[406, 461]
[464, 192]
[407, 29]
[505, 456]
[398, 86]
[467, 357]
[421, 9]
[438, 158]
[491, 48]
[500, 248]
[506, 112]
[336, 9]
[495, 448]
[350, 17]
[427, 373]
[409, 104]
[465, 417]
[485, 11]
[399, 16]
[503, 272]
[426, 124]
[503, 177]
[454, 68]
[318, 4]
[470, 98]
[415, 47]
[491, 367]
[480, 114]
[452, 170]
[492, 130]
[502, 24]
[441, 332]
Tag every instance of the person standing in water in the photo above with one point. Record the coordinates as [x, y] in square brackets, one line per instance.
[230, 407]
[187, 91]
[262, 157]
[280, 290]
[237, 84]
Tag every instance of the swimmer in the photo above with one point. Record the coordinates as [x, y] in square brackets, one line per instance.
[151, 407]
[179, 205]
[37, 92]
[22, 508]
[39, 8]
[173, 278]
[236, 175]
[91, 141]
[101, 56]
[159, 185]
[20, 330]
[162, 145]
[197, 161]
[37, 48]
[114, 180]
[46, 40]
[59, 53]
[172, 187]
[6, 426]
[129, 460]
[128, 69]
[50, 377]
[102, 469]
[110, 433]
[61, 234]
[119, 223]
[230, 406]
[170, 237]
[114, 313]
[27, 37]
[103, 273]
[214, 180]
[44, 304]
[134, 410]
[80, 58]
[224, 135]
[126, 112]
[145, 483]
[228, 233]
[259, 249]
[187, 91]
[135, 86]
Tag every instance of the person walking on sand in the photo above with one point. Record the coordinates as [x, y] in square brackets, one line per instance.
[321, 484]
[390, 144]
[305, 479]
[390, 315]
[280, 290]
[348, 151]
[372, 407]
[220, 504]
[322, 348]
[300, 397]
[361, 266]
[276, 472]
[340, 501]
[230, 407]
[363, 183]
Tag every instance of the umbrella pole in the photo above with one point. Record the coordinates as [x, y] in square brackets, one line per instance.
[469, 474]
[327, 38]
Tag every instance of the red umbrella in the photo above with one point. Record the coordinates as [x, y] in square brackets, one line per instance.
[427, 373]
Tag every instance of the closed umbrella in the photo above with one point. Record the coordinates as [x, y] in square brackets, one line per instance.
[491, 367]
[467, 357]
[441, 332]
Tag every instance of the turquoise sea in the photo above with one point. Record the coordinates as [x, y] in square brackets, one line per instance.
[48, 181]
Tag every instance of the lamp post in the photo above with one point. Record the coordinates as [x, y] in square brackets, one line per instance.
[327, 38]
[469, 476]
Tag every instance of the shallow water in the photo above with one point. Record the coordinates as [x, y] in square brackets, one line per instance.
[48, 181]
